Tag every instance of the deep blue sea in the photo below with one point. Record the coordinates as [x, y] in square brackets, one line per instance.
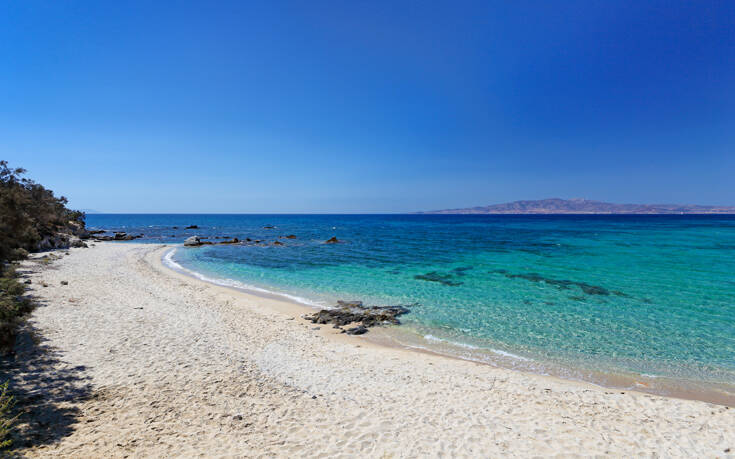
[643, 302]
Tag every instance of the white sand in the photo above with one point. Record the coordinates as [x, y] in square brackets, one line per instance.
[201, 370]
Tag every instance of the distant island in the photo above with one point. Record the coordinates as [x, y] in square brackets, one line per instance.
[585, 206]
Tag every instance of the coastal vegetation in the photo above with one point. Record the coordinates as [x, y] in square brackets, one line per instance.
[31, 218]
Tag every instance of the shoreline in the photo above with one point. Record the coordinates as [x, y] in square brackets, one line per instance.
[173, 366]
[398, 338]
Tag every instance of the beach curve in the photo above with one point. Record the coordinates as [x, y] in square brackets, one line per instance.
[183, 367]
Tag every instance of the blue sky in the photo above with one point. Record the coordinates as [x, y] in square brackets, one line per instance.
[368, 106]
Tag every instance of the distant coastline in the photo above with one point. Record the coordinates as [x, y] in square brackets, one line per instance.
[556, 206]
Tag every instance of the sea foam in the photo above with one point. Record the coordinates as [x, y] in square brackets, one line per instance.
[171, 263]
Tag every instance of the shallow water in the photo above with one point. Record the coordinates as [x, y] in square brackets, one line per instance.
[613, 299]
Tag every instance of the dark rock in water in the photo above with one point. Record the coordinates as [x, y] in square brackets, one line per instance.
[349, 304]
[359, 330]
[97, 232]
[461, 270]
[444, 279]
[175, 227]
[592, 289]
[277, 243]
[193, 241]
[192, 227]
[247, 239]
[234, 240]
[290, 236]
[269, 227]
[119, 236]
[351, 312]
[332, 240]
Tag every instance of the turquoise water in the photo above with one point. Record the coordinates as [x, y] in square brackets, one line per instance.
[579, 296]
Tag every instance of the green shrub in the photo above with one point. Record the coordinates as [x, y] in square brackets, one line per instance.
[29, 213]
[6, 416]
[13, 307]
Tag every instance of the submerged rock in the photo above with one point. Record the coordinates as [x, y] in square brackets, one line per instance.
[444, 279]
[562, 284]
[192, 227]
[332, 240]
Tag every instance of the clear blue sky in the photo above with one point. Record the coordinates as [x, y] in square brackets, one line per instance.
[156, 106]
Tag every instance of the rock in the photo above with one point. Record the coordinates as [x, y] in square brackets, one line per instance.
[175, 227]
[277, 243]
[74, 241]
[64, 283]
[247, 239]
[97, 232]
[290, 236]
[27, 281]
[349, 312]
[193, 241]
[269, 227]
[192, 227]
[349, 304]
[332, 240]
[120, 236]
[359, 330]
[234, 240]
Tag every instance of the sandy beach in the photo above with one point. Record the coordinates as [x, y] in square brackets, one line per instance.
[154, 363]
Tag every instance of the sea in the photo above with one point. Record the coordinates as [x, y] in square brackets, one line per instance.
[630, 302]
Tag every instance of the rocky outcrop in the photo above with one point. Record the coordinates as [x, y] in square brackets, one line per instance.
[193, 241]
[332, 240]
[196, 241]
[353, 312]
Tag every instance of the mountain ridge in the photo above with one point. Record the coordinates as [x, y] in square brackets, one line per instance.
[584, 206]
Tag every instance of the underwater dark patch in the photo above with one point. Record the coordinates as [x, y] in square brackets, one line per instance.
[561, 284]
[444, 279]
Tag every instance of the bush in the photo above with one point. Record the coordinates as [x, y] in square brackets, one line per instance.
[29, 213]
[6, 418]
[13, 306]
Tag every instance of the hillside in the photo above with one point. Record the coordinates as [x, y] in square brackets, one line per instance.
[584, 206]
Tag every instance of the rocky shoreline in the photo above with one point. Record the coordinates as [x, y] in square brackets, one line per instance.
[354, 313]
